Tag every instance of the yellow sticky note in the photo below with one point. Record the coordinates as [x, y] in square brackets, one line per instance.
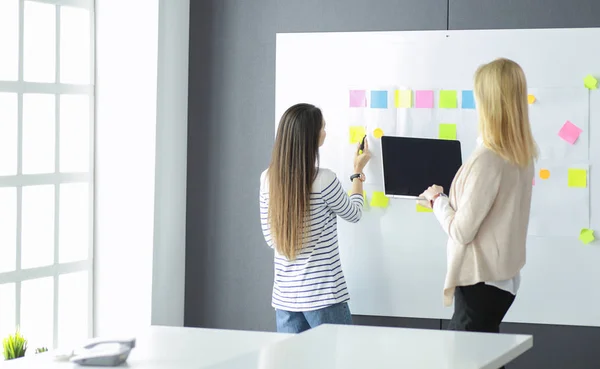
[356, 134]
[447, 131]
[403, 98]
[590, 82]
[423, 209]
[378, 133]
[530, 99]
[577, 178]
[379, 200]
[586, 236]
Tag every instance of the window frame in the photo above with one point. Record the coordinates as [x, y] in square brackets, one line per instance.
[56, 178]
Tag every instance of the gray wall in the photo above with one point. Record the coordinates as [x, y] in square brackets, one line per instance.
[231, 112]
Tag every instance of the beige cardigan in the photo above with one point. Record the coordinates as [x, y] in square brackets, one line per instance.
[490, 201]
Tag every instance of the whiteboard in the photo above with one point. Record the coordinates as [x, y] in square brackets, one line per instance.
[394, 259]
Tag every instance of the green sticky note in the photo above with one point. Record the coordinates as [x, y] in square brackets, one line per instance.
[379, 200]
[448, 99]
[447, 131]
[586, 236]
[577, 178]
[356, 134]
[590, 82]
[423, 209]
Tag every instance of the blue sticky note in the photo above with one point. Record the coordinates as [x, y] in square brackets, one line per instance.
[379, 99]
[468, 100]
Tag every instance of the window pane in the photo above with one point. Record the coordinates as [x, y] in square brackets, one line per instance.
[37, 312]
[73, 229]
[38, 133]
[37, 226]
[9, 40]
[39, 42]
[8, 231]
[8, 131]
[75, 39]
[72, 309]
[7, 309]
[74, 133]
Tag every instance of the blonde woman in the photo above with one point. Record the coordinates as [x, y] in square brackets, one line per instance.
[487, 212]
[299, 206]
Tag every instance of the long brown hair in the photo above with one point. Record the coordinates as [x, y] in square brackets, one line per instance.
[293, 169]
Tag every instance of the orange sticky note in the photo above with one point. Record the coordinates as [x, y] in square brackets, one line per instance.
[544, 174]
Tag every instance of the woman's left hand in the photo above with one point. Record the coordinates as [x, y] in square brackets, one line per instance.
[429, 195]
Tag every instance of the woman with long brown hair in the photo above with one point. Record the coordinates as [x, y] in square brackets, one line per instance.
[299, 206]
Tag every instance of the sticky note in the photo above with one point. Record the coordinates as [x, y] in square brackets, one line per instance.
[403, 98]
[448, 99]
[468, 100]
[379, 99]
[378, 133]
[586, 236]
[358, 98]
[569, 132]
[379, 200]
[544, 173]
[530, 99]
[533, 182]
[577, 178]
[447, 131]
[356, 134]
[424, 99]
[423, 209]
[590, 82]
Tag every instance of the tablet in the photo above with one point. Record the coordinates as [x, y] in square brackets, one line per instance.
[411, 165]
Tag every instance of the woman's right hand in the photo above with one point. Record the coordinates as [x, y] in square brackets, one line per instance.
[361, 159]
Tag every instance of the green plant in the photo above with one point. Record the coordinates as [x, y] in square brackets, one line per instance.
[14, 346]
[40, 350]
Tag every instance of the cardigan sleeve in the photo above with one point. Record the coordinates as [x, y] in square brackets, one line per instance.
[481, 186]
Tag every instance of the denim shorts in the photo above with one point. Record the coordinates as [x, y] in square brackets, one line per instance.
[300, 321]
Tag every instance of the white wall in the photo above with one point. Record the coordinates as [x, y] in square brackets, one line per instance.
[130, 112]
[168, 284]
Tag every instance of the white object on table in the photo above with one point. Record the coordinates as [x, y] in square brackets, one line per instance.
[170, 348]
[359, 347]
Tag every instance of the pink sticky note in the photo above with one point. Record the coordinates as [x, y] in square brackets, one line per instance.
[358, 98]
[569, 132]
[533, 182]
[424, 99]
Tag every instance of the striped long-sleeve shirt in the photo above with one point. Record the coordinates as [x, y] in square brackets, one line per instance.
[315, 279]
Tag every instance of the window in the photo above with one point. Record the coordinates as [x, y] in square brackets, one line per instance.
[46, 170]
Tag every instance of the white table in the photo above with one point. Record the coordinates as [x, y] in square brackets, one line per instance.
[356, 347]
[172, 348]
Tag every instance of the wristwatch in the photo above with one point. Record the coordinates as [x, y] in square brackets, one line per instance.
[360, 176]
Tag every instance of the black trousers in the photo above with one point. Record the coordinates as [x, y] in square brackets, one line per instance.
[480, 308]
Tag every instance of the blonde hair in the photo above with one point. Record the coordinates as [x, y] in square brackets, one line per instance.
[293, 169]
[501, 96]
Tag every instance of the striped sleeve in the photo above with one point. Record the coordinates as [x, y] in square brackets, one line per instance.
[346, 207]
[264, 217]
